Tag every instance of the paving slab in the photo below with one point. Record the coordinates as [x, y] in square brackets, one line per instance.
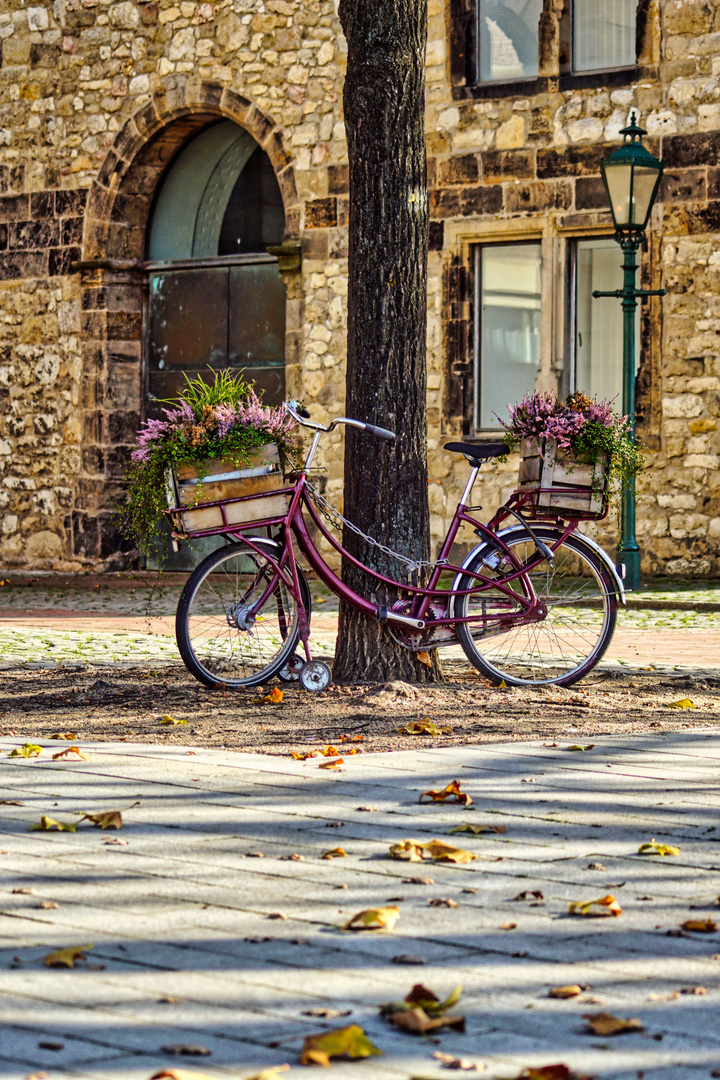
[205, 904]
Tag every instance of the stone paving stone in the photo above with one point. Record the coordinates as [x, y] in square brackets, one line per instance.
[169, 911]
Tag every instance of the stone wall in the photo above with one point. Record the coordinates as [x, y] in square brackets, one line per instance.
[95, 99]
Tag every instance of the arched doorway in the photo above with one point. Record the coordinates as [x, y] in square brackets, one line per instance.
[216, 298]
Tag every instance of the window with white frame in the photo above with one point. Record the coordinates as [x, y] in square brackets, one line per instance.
[596, 35]
[507, 327]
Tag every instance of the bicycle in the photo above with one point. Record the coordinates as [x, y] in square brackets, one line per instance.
[533, 604]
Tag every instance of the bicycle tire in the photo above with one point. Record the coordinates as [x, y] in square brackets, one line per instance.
[214, 645]
[569, 641]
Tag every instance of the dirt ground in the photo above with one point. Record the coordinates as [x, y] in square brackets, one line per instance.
[89, 704]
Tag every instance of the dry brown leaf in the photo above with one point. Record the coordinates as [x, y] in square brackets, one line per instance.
[182, 1074]
[442, 852]
[552, 1072]
[336, 764]
[604, 905]
[335, 853]
[443, 901]
[449, 1061]
[452, 792]
[67, 957]
[529, 894]
[694, 991]
[330, 751]
[700, 926]
[424, 658]
[70, 735]
[187, 1050]
[348, 1042]
[326, 1013]
[604, 1023]
[424, 727]
[408, 850]
[382, 918]
[564, 992]
[107, 819]
[303, 757]
[417, 1022]
[509, 926]
[477, 830]
[70, 750]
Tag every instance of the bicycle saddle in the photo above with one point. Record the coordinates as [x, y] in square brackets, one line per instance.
[476, 453]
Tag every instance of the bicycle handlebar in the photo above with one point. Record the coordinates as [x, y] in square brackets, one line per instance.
[299, 413]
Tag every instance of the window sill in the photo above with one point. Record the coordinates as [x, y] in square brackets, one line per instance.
[519, 88]
[545, 84]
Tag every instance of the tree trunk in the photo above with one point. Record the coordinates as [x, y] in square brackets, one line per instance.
[386, 491]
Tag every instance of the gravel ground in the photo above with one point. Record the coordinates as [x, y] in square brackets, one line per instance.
[130, 704]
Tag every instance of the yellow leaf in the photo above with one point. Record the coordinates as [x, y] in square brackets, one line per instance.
[330, 751]
[27, 750]
[476, 830]
[409, 850]
[606, 1024]
[452, 791]
[331, 764]
[683, 703]
[442, 852]
[349, 1042]
[604, 905]
[47, 823]
[70, 750]
[653, 848]
[303, 757]
[273, 698]
[382, 918]
[577, 746]
[565, 991]
[65, 735]
[172, 720]
[67, 957]
[424, 727]
[700, 926]
[335, 853]
[424, 658]
[109, 819]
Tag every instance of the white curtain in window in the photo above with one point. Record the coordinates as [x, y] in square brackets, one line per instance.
[603, 34]
[509, 39]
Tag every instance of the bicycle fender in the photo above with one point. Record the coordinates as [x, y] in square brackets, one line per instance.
[515, 531]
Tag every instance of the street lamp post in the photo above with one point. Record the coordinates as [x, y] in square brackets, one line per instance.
[632, 177]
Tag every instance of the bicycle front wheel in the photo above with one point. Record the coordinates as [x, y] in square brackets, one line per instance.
[220, 637]
[580, 601]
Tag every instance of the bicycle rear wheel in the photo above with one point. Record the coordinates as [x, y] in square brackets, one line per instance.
[220, 639]
[580, 598]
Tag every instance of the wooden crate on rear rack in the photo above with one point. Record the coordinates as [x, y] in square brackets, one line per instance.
[190, 489]
[553, 473]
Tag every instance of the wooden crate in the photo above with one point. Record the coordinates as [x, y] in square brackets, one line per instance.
[222, 480]
[545, 465]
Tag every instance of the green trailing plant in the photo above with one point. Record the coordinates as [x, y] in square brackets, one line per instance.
[222, 418]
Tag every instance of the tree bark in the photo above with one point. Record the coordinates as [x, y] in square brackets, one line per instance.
[386, 492]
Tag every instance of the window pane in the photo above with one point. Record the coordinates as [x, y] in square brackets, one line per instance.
[508, 339]
[604, 34]
[509, 39]
[598, 323]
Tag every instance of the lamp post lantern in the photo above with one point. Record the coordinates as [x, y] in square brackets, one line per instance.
[632, 177]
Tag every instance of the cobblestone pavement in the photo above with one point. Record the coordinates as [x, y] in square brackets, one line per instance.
[215, 921]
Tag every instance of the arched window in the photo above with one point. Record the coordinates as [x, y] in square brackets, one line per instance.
[216, 296]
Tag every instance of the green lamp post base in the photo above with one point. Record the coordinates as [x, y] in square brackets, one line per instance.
[629, 557]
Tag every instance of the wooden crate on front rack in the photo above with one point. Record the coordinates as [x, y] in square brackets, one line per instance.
[555, 476]
[190, 490]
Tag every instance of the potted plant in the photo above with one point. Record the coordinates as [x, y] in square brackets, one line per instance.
[217, 441]
[573, 452]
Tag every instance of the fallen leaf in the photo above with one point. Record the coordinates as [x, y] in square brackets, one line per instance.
[47, 1044]
[70, 750]
[47, 823]
[17, 802]
[349, 1042]
[697, 991]
[442, 852]
[303, 757]
[424, 658]
[111, 840]
[423, 1011]
[452, 791]
[700, 926]
[171, 721]
[186, 1049]
[108, 819]
[278, 915]
[330, 751]
[552, 1072]
[27, 750]
[67, 957]
[408, 850]
[417, 1022]
[335, 853]
[418, 881]
[185, 1074]
[606, 1024]
[48, 905]
[382, 918]
[443, 901]
[476, 830]
[564, 992]
[529, 894]
[336, 764]
[509, 926]
[595, 866]
[449, 1061]
[604, 905]
[368, 809]
[327, 1013]
[25, 890]
[409, 958]
[577, 746]
[683, 703]
[424, 727]
[275, 696]
[65, 735]
[653, 848]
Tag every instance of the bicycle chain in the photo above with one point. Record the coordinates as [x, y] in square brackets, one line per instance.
[336, 519]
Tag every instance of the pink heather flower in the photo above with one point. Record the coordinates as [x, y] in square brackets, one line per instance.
[226, 417]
